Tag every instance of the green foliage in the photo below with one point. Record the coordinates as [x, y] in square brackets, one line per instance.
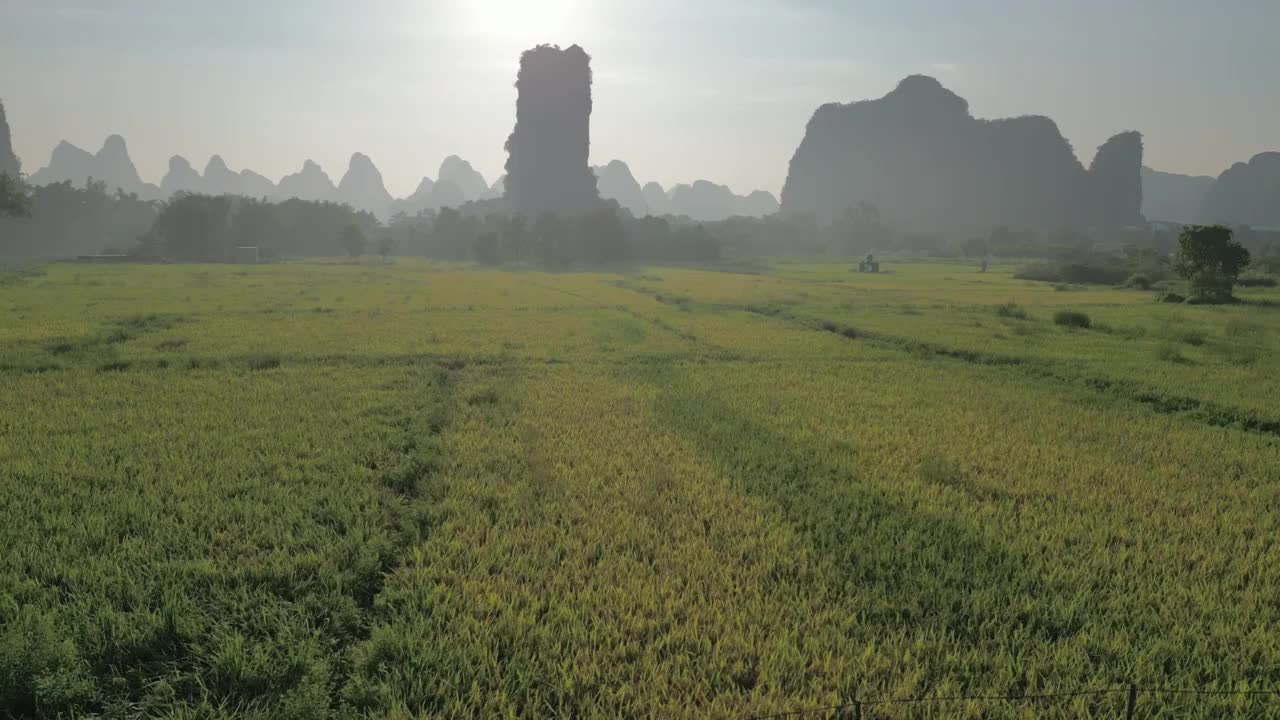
[485, 249]
[66, 220]
[1071, 319]
[976, 248]
[354, 241]
[428, 490]
[15, 202]
[1139, 281]
[386, 244]
[1210, 260]
[1258, 281]
[194, 228]
[1012, 310]
[1168, 352]
[1095, 271]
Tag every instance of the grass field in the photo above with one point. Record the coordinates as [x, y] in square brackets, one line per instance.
[416, 490]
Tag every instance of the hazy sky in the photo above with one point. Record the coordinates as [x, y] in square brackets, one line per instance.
[684, 89]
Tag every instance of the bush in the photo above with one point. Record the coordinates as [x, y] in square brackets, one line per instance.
[1011, 310]
[1257, 281]
[1071, 318]
[1139, 281]
[1098, 272]
[1210, 260]
[1169, 353]
[1094, 271]
[1041, 271]
[1170, 297]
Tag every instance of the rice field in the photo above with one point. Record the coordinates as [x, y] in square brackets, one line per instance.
[418, 490]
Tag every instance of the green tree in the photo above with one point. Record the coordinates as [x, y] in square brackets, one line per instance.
[485, 249]
[975, 247]
[354, 241]
[1210, 260]
[195, 228]
[255, 224]
[14, 200]
[601, 237]
[548, 235]
[386, 243]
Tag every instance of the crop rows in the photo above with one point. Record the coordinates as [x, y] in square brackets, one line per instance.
[424, 491]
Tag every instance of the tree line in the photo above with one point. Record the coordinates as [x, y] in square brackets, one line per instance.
[61, 220]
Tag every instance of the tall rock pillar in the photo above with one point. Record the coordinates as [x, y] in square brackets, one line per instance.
[548, 152]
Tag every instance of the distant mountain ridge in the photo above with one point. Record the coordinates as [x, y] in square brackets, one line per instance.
[1247, 193]
[110, 165]
[9, 163]
[1170, 197]
[702, 200]
[361, 186]
[927, 164]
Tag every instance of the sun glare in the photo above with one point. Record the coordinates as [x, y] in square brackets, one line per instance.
[530, 21]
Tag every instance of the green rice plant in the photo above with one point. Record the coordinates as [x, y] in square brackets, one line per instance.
[472, 493]
[1071, 319]
[1011, 310]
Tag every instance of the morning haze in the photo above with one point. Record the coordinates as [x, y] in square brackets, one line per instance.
[681, 88]
[567, 359]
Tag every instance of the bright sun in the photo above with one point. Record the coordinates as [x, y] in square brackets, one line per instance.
[531, 21]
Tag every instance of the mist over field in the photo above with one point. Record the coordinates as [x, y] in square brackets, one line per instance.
[596, 360]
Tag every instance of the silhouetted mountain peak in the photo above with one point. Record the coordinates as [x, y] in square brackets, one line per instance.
[181, 177]
[656, 198]
[927, 164]
[1170, 197]
[616, 182]
[66, 151]
[362, 187]
[216, 165]
[309, 183]
[1247, 193]
[919, 92]
[115, 165]
[460, 172]
[549, 148]
[114, 146]
[424, 188]
[361, 163]
[9, 164]
[707, 201]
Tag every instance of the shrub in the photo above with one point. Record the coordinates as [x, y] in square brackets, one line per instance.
[1071, 318]
[1170, 297]
[1168, 353]
[1139, 281]
[1192, 337]
[1257, 281]
[1041, 271]
[1241, 328]
[354, 241]
[1011, 310]
[1211, 261]
[1093, 271]
[1098, 272]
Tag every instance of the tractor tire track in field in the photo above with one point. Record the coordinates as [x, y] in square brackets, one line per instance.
[1194, 409]
[1201, 411]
